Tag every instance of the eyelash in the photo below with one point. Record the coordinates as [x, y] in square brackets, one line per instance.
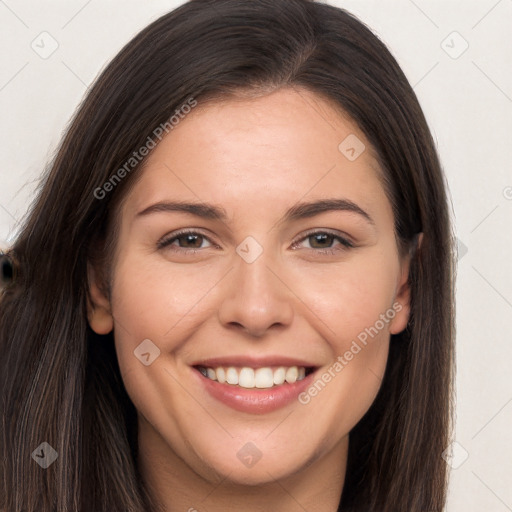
[168, 240]
[347, 244]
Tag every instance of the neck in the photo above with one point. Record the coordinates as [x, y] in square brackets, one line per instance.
[176, 487]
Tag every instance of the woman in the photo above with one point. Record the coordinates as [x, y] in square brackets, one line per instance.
[298, 354]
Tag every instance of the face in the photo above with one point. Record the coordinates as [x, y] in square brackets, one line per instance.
[288, 270]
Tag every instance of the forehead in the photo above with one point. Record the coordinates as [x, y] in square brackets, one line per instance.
[260, 153]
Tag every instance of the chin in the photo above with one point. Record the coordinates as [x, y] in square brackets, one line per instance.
[241, 470]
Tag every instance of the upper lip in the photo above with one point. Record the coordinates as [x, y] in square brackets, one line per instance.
[253, 361]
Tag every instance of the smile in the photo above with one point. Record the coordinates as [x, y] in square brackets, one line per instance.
[254, 385]
[261, 378]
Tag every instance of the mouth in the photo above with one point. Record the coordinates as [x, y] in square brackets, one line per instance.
[255, 386]
[255, 378]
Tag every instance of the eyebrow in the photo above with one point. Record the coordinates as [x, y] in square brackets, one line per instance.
[296, 212]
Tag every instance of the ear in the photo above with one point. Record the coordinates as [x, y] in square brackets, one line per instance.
[402, 302]
[98, 305]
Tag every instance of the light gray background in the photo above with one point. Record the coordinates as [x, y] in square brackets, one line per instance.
[467, 98]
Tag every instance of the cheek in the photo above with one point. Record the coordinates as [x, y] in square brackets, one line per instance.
[164, 303]
[351, 299]
[159, 307]
[161, 297]
[357, 310]
[353, 308]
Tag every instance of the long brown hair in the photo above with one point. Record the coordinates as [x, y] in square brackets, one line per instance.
[61, 383]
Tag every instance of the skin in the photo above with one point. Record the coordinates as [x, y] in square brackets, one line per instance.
[254, 157]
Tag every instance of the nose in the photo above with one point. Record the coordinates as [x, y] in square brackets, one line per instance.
[257, 298]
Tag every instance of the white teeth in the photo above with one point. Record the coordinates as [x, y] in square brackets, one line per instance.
[292, 374]
[261, 378]
[221, 375]
[279, 376]
[232, 376]
[264, 378]
[246, 378]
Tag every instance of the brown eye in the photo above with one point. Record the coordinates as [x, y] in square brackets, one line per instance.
[186, 240]
[190, 241]
[321, 240]
[324, 242]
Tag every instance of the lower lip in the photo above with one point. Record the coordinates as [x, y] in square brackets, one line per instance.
[255, 401]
